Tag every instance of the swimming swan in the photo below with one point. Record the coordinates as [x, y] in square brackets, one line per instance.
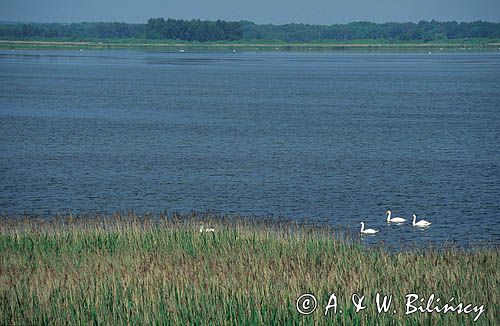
[367, 231]
[395, 220]
[422, 223]
[204, 229]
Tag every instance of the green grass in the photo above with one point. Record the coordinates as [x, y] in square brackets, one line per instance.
[136, 270]
[250, 45]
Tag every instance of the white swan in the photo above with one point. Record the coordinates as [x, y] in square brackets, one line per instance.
[367, 231]
[421, 223]
[395, 220]
[204, 229]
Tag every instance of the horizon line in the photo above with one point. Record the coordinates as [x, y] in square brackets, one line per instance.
[249, 21]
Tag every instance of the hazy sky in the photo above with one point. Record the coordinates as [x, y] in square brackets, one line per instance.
[259, 11]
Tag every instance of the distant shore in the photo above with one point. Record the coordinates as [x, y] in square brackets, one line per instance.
[476, 44]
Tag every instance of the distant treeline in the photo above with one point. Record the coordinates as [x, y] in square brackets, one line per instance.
[422, 31]
[156, 28]
[198, 30]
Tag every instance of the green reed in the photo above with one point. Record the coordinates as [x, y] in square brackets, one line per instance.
[137, 269]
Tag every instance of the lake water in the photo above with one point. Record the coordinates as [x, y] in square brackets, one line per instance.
[334, 138]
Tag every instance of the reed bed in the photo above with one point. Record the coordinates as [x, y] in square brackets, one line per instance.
[129, 269]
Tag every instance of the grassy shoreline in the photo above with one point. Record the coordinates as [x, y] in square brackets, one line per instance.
[135, 269]
[478, 44]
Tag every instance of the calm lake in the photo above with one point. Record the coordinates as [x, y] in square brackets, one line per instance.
[334, 138]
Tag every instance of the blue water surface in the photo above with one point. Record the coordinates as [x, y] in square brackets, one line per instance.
[334, 138]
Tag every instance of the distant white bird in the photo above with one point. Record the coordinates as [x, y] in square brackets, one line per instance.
[395, 219]
[367, 231]
[204, 229]
[421, 223]
[181, 51]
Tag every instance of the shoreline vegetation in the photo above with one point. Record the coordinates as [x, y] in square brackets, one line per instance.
[137, 269]
[195, 34]
[370, 45]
